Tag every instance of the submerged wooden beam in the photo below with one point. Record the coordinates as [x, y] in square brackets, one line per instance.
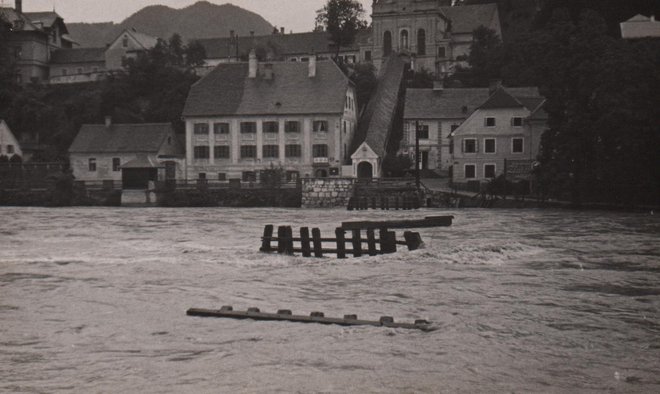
[314, 317]
[430, 221]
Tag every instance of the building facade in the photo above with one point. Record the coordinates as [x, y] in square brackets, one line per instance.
[435, 34]
[501, 137]
[243, 118]
[129, 153]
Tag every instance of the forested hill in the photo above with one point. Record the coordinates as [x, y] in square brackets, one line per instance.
[200, 20]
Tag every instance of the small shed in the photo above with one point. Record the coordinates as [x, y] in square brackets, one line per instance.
[137, 173]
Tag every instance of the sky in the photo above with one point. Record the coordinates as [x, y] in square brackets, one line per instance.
[294, 15]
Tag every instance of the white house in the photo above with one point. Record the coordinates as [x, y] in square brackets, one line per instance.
[9, 145]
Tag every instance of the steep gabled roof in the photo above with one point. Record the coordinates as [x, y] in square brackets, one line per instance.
[466, 18]
[501, 99]
[375, 125]
[118, 138]
[443, 104]
[78, 55]
[145, 40]
[227, 91]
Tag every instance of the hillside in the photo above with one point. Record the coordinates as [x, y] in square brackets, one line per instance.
[200, 20]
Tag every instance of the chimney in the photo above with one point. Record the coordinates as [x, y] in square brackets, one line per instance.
[493, 85]
[311, 66]
[108, 121]
[268, 71]
[19, 6]
[438, 86]
[281, 30]
[252, 65]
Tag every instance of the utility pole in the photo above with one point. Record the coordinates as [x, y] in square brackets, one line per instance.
[417, 154]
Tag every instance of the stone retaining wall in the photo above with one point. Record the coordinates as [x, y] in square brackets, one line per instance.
[326, 192]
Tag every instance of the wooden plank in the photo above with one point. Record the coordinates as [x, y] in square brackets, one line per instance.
[268, 235]
[281, 234]
[314, 317]
[341, 243]
[413, 240]
[316, 237]
[371, 241]
[357, 243]
[288, 244]
[304, 242]
[431, 221]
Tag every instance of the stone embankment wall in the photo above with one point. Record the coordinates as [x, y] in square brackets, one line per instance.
[326, 192]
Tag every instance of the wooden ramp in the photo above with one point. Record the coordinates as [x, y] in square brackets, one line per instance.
[314, 317]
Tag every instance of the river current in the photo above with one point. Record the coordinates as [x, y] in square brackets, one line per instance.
[94, 300]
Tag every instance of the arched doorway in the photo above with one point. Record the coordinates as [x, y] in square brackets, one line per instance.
[365, 170]
[387, 43]
[321, 173]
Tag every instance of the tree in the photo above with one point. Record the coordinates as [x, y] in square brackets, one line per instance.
[364, 77]
[342, 19]
[485, 59]
[195, 54]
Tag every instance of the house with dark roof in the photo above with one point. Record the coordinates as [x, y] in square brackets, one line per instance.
[435, 34]
[437, 112]
[502, 136]
[243, 118]
[133, 154]
[77, 65]
[34, 37]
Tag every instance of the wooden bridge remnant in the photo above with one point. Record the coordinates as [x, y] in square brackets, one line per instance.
[382, 241]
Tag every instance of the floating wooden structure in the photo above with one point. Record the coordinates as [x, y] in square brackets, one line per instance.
[429, 221]
[314, 317]
[382, 242]
[384, 202]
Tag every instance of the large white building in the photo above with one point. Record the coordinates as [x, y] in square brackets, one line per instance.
[243, 118]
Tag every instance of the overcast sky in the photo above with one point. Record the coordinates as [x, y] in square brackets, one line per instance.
[296, 15]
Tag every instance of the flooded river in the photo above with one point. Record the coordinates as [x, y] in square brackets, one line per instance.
[94, 299]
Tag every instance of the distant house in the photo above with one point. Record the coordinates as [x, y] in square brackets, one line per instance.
[9, 146]
[640, 26]
[92, 64]
[438, 112]
[246, 117]
[131, 153]
[34, 37]
[502, 136]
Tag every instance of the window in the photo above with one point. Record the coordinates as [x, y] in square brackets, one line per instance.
[489, 122]
[292, 176]
[470, 145]
[65, 71]
[387, 43]
[221, 152]
[423, 132]
[248, 151]
[201, 175]
[91, 164]
[516, 121]
[169, 140]
[222, 176]
[292, 151]
[470, 171]
[249, 176]
[220, 128]
[116, 164]
[201, 128]
[489, 145]
[80, 71]
[404, 39]
[18, 53]
[292, 126]
[517, 145]
[124, 42]
[248, 127]
[304, 59]
[271, 127]
[321, 125]
[201, 152]
[442, 52]
[271, 151]
[320, 150]
[421, 42]
[367, 56]
[10, 149]
[489, 171]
